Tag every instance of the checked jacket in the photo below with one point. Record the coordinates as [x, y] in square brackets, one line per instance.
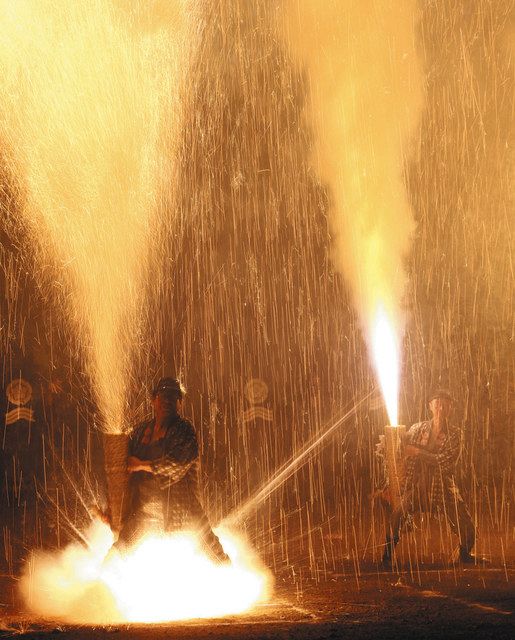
[168, 498]
[429, 477]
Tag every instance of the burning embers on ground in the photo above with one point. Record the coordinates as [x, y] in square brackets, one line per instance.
[162, 578]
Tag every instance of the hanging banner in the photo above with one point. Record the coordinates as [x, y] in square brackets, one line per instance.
[256, 391]
[19, 392]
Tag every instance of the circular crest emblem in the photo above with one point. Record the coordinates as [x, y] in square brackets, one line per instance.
[19, 391]
[256, 391]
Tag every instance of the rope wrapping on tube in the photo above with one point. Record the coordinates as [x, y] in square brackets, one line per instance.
[116, 447]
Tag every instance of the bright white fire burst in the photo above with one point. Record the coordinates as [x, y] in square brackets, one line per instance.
[385, 347]
[161, 579]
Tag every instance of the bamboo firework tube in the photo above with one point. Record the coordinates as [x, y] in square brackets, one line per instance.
[394, 462]
[116, 447]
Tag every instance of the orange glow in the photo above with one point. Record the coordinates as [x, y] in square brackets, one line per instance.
[366, 98]
[90, 118]
[163, 578]
[385, 347]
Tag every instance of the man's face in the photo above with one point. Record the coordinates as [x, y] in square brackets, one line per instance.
[166, 403]
[441, 408]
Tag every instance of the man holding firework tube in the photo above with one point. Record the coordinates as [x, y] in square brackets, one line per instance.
[430, 450]
[163, 474]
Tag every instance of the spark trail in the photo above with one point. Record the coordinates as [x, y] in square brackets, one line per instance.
[289, 467]
[87, 90]
[365, 103]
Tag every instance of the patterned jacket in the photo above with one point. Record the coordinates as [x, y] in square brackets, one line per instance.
[174, 480]
[173, 483]
[178, 451]
[431, 473]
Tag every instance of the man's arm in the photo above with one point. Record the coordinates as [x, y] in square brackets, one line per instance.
[446, 459]
[181, 452]
[134, 464]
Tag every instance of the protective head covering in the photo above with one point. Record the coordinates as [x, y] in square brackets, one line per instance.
[441, 393]
[169, 386]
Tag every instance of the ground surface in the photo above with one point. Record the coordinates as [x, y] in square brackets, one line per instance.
[430, 602]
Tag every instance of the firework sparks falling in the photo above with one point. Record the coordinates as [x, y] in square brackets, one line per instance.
[249, 291]
[86, 88]
[365, 103]
[291, 466]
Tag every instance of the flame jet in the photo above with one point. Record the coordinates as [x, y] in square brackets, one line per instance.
[86, 90]
[364, 104]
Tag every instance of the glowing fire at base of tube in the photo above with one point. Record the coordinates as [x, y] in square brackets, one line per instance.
[161, 579]
[386, 348]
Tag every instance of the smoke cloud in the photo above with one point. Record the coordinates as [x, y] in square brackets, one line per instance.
[162, 578]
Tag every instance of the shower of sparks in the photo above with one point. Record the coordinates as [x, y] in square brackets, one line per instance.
[291, 466]
[162, 578]
[89, 114]
[247, 290]
[365, 105]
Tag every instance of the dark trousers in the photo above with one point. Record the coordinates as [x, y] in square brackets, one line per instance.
[454, 510]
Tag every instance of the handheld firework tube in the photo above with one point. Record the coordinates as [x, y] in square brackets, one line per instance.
[116, 448]
[394, 462]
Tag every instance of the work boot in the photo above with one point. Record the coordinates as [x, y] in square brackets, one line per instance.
[465, 557]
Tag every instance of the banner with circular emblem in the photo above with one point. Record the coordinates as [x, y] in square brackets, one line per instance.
[19, 393]
[256, 391]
